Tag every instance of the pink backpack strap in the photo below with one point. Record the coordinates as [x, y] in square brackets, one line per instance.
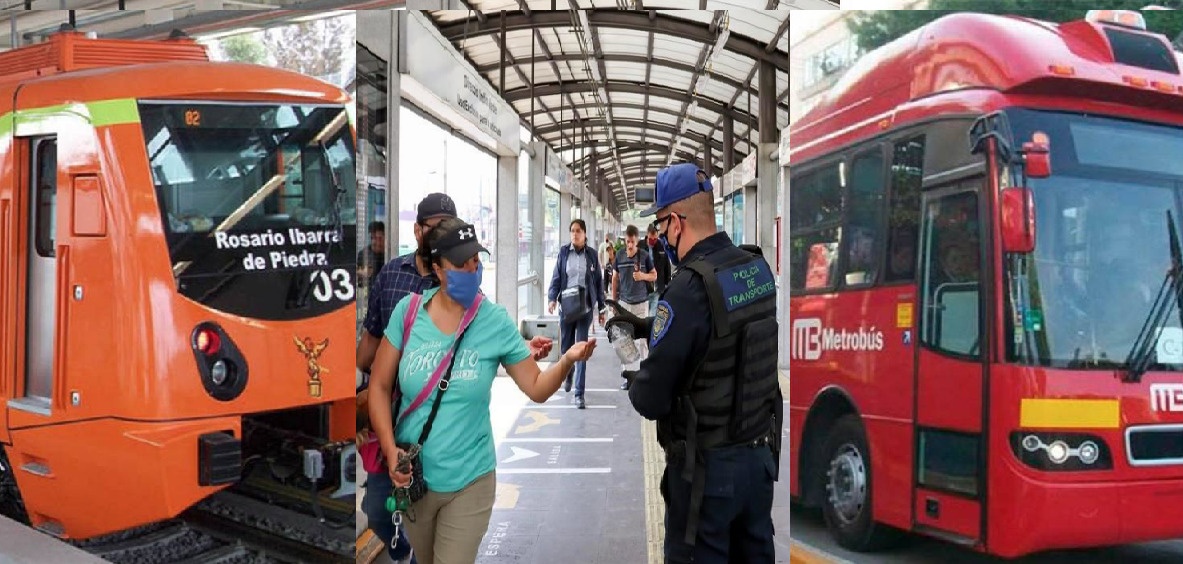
[444, 362]
[409, 318]
[408, 321]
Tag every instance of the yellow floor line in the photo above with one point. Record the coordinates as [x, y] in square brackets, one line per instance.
[799, 554]
[654, 504]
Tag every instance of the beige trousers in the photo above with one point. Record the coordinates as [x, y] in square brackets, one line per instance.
[448, 528]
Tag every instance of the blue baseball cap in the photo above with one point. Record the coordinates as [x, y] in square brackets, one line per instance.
[676, 183]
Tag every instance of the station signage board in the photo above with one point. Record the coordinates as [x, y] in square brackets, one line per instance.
[434, 65]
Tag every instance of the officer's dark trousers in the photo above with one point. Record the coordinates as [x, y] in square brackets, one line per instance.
[735, 523]
[373, 503]
[571, 333]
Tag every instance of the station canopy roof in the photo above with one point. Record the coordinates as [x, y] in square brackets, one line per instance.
[629, 85]
[25, 22]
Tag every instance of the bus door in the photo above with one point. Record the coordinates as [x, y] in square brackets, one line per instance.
[949, 472]
[55, 158]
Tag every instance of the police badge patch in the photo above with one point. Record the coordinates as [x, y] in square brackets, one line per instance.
[661, 322]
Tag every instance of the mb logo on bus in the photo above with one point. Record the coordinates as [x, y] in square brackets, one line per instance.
[807, 339]
[810, 339]
[1163, 397]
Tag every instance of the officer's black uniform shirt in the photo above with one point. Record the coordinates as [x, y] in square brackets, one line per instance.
[678, 350]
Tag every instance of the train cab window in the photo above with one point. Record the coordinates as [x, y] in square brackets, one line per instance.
[44, 180]
[952, 273]
[864, 224]
[815, 216]
[903, 225]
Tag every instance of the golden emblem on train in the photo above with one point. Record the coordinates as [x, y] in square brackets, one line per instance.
[312, 352]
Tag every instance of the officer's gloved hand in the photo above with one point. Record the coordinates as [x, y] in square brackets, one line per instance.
[640, 327]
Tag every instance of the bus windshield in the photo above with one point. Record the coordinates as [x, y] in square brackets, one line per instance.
[254, 200]
[1102, 244]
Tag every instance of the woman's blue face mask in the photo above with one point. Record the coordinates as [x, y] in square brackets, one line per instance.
[463, 285]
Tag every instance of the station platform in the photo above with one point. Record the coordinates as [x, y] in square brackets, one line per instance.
[579, 485]
[20, 544]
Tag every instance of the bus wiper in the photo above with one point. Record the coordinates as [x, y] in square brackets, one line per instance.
[1138, 361]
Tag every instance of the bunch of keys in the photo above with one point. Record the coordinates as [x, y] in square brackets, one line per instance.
[400, 498]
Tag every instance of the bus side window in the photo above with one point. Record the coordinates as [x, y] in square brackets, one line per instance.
[866, 218]
[903, 215]
[951, 274]
[815, 223]
[45, 183]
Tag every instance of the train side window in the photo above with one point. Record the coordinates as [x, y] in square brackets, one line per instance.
[815, 216]
[865, 221]
[44, 185]
[903, 228]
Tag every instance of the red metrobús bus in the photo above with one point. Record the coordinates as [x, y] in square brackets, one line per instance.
[987, 344]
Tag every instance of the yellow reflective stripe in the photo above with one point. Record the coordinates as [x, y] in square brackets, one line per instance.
[1070, 413]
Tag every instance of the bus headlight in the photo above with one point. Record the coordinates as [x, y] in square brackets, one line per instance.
[1058, 452]
[1061, 451]
[1088, 452]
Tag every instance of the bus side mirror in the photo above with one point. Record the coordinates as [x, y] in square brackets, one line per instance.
[1018, 220]
[1037, 156]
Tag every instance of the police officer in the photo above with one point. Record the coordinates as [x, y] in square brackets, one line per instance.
[710, 381]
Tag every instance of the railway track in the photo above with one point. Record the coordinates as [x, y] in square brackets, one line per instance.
[229, 528]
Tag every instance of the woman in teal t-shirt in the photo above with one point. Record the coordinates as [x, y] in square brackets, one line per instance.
[458, 456]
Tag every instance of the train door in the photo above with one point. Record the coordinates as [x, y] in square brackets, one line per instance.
[949, 475]
[42, 273]
[54, 166]
[36, 164]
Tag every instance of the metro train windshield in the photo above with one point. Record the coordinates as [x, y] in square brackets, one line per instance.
[1102, 244]
[255, 196]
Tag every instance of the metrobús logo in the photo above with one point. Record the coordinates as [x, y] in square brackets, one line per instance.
[811, 339]
[1166, 397]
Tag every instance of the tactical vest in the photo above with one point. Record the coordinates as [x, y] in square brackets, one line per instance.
[733, 397]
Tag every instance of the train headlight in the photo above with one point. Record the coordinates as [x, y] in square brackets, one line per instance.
[220, 364]
[218, 373]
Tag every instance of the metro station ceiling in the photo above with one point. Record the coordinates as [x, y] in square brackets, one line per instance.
[629, 84]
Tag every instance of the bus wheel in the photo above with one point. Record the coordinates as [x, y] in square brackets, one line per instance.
[11, 504]
[847, 475]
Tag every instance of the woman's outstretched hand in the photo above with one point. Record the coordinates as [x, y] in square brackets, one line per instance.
[581, 351]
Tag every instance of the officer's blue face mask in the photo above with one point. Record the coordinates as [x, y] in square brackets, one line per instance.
[463, 285]
[671, 248]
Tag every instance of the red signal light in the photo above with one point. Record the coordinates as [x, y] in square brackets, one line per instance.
[207, 341]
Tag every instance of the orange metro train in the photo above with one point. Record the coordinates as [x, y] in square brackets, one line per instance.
[177, 244]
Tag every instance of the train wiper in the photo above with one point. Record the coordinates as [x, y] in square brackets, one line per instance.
[338, 190]
[301, 288]
[1138, 361]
